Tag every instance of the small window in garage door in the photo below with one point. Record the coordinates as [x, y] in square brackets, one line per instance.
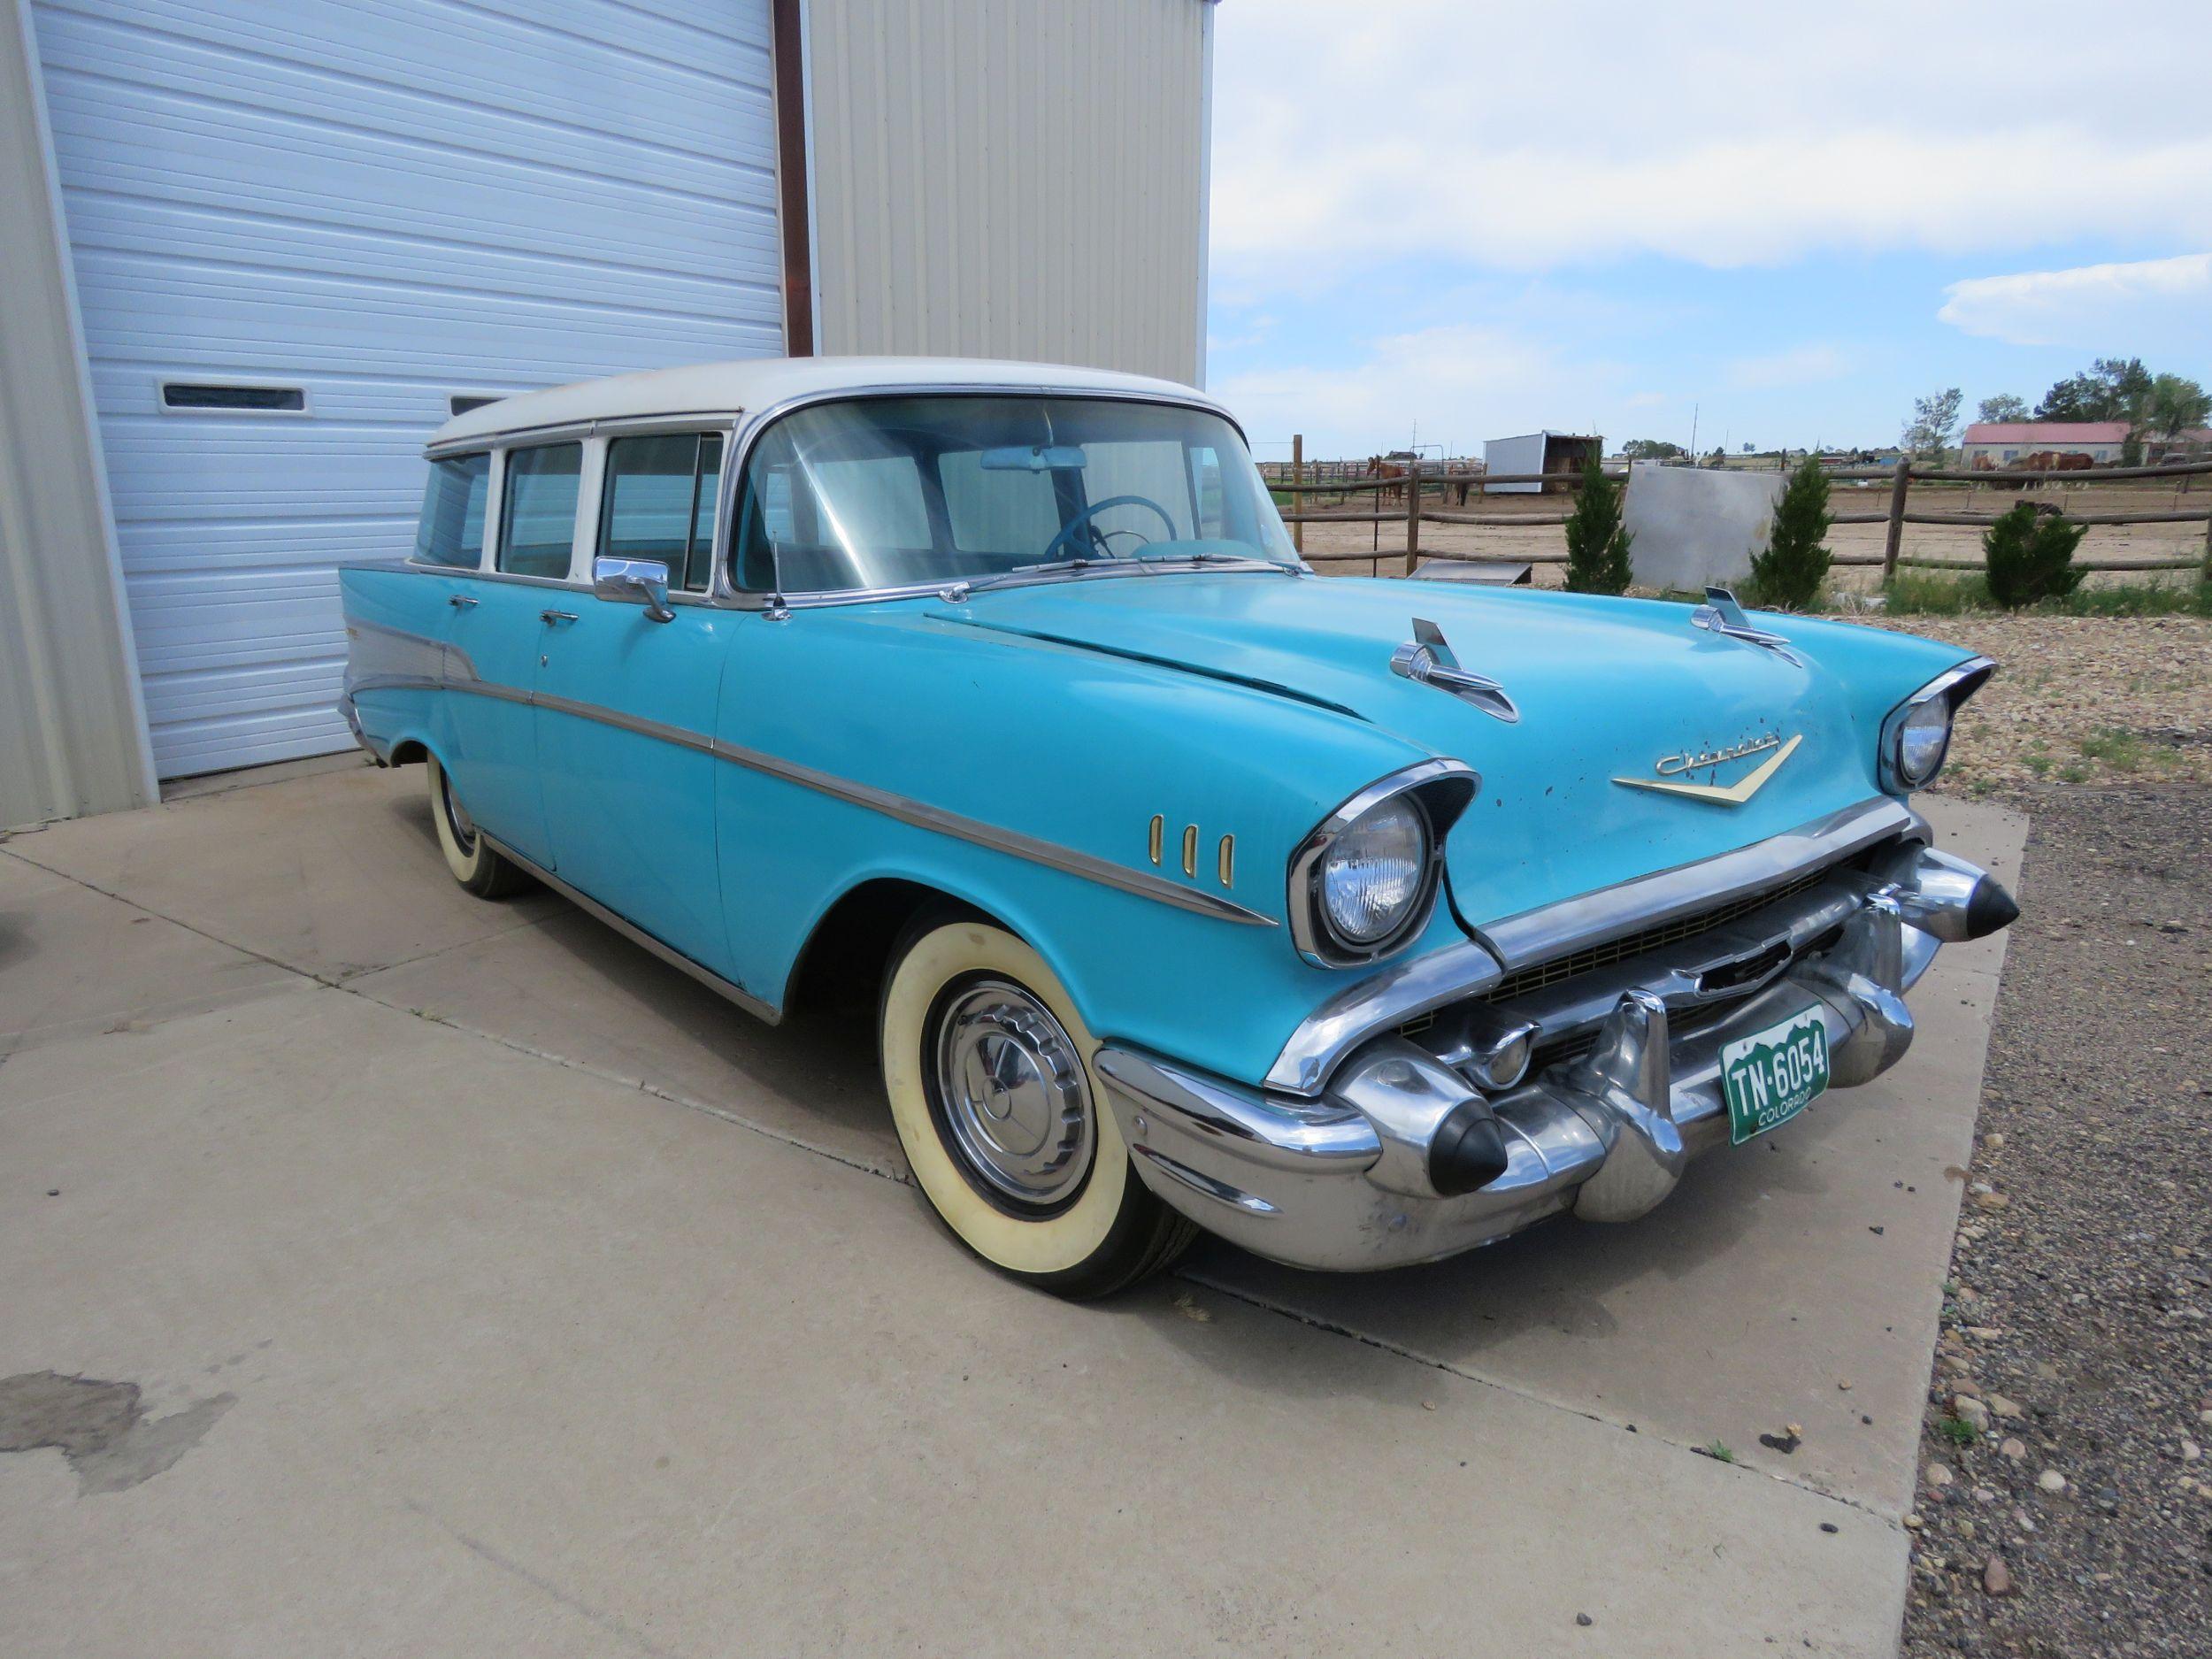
[451, 529]
[538, 523]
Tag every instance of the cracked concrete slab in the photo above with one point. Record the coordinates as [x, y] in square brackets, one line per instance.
[574, 989]
[73, 961]
[526, 1361]
[333, 875]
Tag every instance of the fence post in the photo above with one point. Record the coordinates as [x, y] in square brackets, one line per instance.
[2208, 548]
[1896, 517]
[1297, 501]
[1413, 513]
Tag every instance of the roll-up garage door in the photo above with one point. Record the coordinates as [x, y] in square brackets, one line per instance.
[302, 228]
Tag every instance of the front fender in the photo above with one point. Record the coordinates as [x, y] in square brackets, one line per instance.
[1069, 747]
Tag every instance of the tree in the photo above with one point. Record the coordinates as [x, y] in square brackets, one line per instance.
[2111, 388]
[1597, 542]
[1651, 449]
[2004, 406]
[1787, 576]
[2030, 554]
[2173, 406]
[1935, 418]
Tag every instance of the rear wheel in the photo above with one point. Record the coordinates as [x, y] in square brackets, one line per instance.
[468, 854]
[987, 1067]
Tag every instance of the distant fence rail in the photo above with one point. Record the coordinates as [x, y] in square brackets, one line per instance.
[1414, 482]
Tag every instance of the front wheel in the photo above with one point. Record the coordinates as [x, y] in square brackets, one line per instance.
[988, 1066]
[468, 854]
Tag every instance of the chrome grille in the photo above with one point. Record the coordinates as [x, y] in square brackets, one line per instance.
[1538, 975]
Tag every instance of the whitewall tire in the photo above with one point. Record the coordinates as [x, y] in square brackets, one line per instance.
[468, 854]
[987, 1066]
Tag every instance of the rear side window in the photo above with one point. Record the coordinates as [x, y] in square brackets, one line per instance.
[452, 528]
[538, 521]
[658, 502]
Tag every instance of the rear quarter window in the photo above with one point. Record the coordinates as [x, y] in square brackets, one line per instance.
[451, 531]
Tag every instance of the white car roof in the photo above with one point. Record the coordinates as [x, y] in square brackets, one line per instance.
[753, 384]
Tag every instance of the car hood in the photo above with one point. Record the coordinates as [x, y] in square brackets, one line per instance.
[1608, 690]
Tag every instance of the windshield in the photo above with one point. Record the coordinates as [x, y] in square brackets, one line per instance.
[898, 492]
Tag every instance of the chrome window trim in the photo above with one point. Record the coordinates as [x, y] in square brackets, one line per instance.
[1052, 855]
[611, 426]
[1957, 684]
[1425, 983]
[752, 429]
[1310, 928]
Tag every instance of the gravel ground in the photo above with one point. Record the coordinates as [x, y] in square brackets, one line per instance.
[2079, 699]
[2064, 1510]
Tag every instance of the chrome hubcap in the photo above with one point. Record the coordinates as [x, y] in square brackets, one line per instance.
[1014, 1095]
[456, 814]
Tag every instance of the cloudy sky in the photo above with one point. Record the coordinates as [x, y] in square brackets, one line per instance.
[1787, 221]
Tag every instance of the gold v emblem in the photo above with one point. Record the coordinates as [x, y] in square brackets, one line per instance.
[1734, 794]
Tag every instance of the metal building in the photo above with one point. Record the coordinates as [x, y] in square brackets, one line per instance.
[253, 251]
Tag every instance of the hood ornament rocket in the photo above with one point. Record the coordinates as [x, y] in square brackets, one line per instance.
[1427, 660]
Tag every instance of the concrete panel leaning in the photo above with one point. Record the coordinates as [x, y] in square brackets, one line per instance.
[1693, 526]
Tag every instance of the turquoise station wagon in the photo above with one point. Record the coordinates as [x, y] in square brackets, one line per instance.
[1357, 922]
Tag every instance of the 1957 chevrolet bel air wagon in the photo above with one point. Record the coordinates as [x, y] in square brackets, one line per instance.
[1358, 922]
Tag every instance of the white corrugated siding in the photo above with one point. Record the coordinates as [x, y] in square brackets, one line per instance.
[1010, 179]
[382, 202]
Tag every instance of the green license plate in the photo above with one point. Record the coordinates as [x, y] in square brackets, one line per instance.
[1773, 1075]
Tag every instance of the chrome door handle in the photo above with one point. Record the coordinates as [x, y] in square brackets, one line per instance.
[556, 615]
[461, 601]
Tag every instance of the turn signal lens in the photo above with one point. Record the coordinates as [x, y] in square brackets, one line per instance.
[1375, 874]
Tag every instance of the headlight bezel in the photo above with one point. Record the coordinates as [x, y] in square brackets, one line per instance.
[1949, 689]
[1438, 791]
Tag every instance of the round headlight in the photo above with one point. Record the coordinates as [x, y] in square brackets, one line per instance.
[1376, 873]
[1922, 739]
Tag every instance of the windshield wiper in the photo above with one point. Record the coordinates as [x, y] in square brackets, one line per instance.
[1082, 562]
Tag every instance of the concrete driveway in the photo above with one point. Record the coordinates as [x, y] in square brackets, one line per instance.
[487, 1288]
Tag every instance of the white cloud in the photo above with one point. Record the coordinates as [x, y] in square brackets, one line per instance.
[1718, 134]
[1801, 365]
[2089, 305]
[1456, 386]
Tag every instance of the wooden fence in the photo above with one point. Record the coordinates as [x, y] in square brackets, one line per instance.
[1417, 485]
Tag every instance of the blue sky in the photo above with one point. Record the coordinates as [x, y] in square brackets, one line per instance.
[1785, 226]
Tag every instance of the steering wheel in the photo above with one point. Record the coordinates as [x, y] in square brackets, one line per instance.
[1082, 522]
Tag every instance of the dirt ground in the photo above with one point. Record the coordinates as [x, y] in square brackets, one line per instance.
[2065, 1506]
[2079, 700]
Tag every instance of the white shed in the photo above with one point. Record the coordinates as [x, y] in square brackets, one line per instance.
[1536, 452]
[279, 242]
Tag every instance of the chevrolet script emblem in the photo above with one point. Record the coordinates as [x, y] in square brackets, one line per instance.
[1671, 767]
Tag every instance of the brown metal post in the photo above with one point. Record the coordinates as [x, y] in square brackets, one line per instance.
[1297, 501]
[1413, 513]
[1896, 517]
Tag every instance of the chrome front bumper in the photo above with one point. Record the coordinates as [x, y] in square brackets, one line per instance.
[1379, 1167]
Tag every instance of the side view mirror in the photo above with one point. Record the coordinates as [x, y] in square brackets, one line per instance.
[634, 582]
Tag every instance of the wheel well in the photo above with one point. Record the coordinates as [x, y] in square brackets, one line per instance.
[850, 951]
[408, 751]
